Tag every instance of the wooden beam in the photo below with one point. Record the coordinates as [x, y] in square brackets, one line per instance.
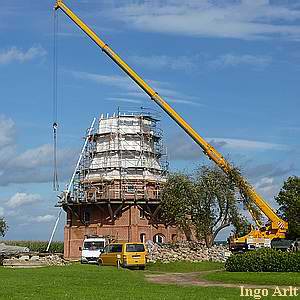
[111, 214]
[117, 211]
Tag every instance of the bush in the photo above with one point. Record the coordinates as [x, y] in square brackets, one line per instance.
[38, 246]
[264, 260]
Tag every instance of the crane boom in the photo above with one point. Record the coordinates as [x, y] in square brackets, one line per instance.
[277, 224]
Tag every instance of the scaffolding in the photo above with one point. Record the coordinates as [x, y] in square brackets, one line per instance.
[124, 160]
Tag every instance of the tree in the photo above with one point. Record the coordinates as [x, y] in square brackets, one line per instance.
[241, 225]
[214, 205]
[3, 227]
[176, 202]
[289, 201]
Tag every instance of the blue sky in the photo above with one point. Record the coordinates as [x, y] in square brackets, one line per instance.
[231, 68]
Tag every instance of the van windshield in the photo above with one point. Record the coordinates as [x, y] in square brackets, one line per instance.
[93, 245]
[135, 248]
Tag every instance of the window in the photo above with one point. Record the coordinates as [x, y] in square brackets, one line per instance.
[116, 248]
[130, 188]
[87, 215]
[159, 238]
[93, 245]
[142, 214]
[107, 249]
[174, 237]
[143, 237]
[135, 248]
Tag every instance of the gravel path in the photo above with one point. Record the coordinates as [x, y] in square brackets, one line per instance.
[196, 280]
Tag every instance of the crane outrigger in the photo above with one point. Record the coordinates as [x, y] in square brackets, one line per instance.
[276, 227]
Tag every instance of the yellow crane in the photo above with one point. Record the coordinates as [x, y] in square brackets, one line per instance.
[276, 227]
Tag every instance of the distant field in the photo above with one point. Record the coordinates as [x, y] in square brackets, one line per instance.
[92, 282]
[262, 278]
[38, 246]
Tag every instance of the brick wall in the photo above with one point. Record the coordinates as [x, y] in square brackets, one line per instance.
[129, 225]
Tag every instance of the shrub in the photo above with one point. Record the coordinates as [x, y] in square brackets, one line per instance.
[38, 246]
[264, 260]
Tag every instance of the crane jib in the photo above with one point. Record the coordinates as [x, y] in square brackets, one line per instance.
[208, 149]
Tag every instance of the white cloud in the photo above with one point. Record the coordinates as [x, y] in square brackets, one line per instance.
[122, 82]
[20, 199]
[43, 219]
[231, 60]
[36, 157]
[131, 89]
[15, 54]
[224, 19]
[267, 186]
[241, 144]
[186, 63]
[183, 148]
[31, 165]
[1, 211]
[36, 165]
[7, 131]
[126, 100]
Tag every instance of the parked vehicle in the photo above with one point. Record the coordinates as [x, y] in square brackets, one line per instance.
[286, 245]
[91, 248]
[125, 255]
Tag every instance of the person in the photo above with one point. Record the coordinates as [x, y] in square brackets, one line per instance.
[297, 246]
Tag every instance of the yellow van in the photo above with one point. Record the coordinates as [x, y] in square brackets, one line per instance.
[124, 254]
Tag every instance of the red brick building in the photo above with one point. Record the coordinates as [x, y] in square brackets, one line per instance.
[116, 190]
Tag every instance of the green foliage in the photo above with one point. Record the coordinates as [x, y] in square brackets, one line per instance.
[243, 187]
[264, 260]
[289, 201]
[241, 225]
[204, 203]
[3, 227]
[176, 201]
[214, 204]
[38, 246]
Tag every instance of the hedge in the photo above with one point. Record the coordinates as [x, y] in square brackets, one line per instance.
[38, 246]
[264, 260]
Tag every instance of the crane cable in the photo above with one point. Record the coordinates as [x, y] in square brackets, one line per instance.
[55, 122]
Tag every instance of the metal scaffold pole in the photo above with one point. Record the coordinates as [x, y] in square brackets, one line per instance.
[71, 182]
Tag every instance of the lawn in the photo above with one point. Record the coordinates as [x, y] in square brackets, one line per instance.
[184, 267]
[84, 282]
[263, 278]
[92, 282]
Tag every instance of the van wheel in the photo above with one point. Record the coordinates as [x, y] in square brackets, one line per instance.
[141, 267]
[99, 263]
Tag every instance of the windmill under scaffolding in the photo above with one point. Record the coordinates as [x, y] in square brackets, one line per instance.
[116, 186]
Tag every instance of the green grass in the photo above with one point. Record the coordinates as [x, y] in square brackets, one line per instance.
[91, 282]
[184, 266]
[263, 278]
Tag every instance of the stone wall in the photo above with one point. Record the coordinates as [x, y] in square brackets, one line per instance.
[188, 251]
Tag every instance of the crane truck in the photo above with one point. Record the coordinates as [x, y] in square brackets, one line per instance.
[276, 227]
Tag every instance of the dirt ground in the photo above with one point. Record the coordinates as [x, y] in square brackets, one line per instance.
[196, 280]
